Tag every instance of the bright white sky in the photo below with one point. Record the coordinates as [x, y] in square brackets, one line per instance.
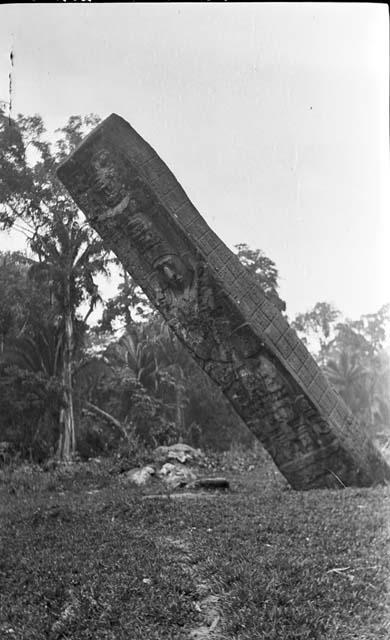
[274, 117]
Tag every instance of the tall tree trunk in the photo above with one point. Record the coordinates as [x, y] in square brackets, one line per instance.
[179, 401]
[67, 439]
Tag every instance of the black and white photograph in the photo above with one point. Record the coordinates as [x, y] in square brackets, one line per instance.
[194, 321]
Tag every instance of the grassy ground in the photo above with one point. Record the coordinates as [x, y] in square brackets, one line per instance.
[83, 556]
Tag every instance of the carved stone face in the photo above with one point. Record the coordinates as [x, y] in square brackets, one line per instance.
[244, 342]
[173, 273]
[133, 205]
[106, 179]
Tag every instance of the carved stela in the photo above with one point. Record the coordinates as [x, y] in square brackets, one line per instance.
[234, 332]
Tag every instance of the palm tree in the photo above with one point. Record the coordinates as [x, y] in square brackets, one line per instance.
[40, 353]
[349, 377]
[379, 392]
[69, 257]
[136, 351]
[150, 355]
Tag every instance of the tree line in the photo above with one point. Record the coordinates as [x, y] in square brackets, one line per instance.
[67, 385]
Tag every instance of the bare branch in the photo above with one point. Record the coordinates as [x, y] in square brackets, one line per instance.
[108, 417]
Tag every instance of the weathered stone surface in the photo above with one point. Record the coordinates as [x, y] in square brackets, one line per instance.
[140, 476]
[205, 482]
[232, 329]
[180, 451]
[176, 475]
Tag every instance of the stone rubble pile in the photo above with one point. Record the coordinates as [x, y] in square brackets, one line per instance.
[177, 466]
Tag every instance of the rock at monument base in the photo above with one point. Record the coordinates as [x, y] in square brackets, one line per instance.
[175, 476]
[166, 469]
[180, 452]
[211, 484]
[140, 476]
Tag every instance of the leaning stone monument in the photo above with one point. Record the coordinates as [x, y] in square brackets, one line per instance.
[210, 301]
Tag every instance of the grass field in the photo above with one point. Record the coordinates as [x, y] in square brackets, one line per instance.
[83, 556]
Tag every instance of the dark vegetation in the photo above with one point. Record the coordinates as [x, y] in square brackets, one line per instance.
[84, 555]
